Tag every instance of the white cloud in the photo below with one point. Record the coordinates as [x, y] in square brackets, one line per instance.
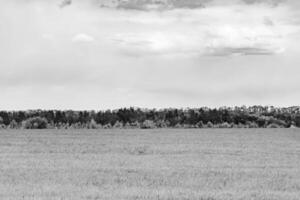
[43, 49]
[47, 36]
[82, 37]
[212, 31]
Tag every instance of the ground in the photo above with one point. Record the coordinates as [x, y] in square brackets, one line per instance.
[166, 164]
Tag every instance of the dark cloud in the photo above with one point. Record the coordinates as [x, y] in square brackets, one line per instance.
[174, 4]
[246, 51]
[65, 3]
[153, 4]
[146, 5]
[271, 2]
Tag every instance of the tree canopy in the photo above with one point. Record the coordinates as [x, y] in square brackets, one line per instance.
[223, 117]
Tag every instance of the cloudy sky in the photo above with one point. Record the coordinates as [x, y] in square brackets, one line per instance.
[81, 54]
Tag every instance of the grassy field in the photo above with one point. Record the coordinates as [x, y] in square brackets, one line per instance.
[166, 164]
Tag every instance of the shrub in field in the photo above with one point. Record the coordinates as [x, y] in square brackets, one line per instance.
[187, 126]
[200, 125]
[76, 126]
[297, 121]
[118, 124]
[127, 125]
[293, 126]
[35, 123]
[13, 124]
[252, 124]
[107, 126]
[135, 124]
[280, 123]
[61, 125]
[178, 125]
[224, 125]
[148, 124]
[51, 125]
[273, 125]
[92, 124]
[240, 125]
[161, 124]
[262, 121]
[209, 125]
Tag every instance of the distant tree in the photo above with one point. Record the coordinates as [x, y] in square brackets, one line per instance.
[35, 123]
[252, 124]
[127, 125]
[13, 124]
[135, 124]
[2, 125]
[92, 124]
[161, 124]
[225, 125]
[118, 125]
[273, 125]
[187, 126]
[107, 126]
[178, 125]
[210, 125]
[262, 121]
[5, 118]
[200, 124]
[242, 117]
[297, 121]
[148, 124]
[240, 125]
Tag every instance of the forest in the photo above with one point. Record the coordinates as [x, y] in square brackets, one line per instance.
[223, 117]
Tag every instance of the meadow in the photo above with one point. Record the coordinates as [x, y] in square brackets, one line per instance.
[159, 164]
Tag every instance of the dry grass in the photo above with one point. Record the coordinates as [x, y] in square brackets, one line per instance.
[150, 164]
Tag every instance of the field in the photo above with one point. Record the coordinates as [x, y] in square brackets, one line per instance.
[220, 164]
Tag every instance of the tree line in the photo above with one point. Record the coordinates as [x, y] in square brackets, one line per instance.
[223, 117]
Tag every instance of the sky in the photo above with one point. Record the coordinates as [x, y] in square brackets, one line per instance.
[83, 54]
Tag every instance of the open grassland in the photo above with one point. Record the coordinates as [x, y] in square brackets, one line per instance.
[221, 164]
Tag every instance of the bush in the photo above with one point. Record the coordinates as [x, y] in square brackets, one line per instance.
[92, 124]
[13, 124]
[188, 126]
[118, 125]
[161, 124]
[135, 124]
[252, 125]
[297, 121]
[273, 126]
[107, 126]
[178, 125]
[293, 126]
[240, 125]
[35, 123]
[209, 125]
[148, 124]
[200, 124]
[225, 125]
[127, 125]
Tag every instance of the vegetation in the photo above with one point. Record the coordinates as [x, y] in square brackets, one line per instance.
[150, 164]
[224, 117]
[33, 123]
